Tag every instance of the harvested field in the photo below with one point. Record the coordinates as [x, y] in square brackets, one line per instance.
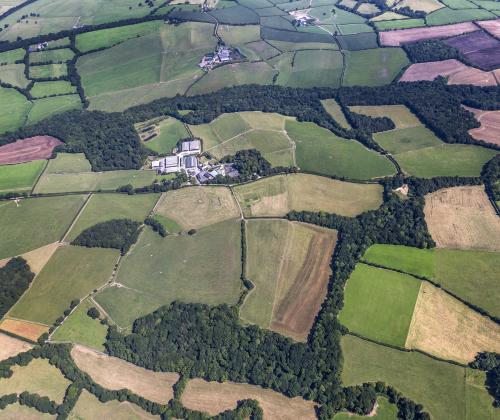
[26, 150]
[10, 346]
[456, 72]
[491, 26]
[25, 329]
[462, 217]
[39, 257]
[195, 207]
[400, 115]
[214, 398]
[17, 411]
[447, 328]
[399, 37]
[490, 126]
[113, 373]
[479, 48]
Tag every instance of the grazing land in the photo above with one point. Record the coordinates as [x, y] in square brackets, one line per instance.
[20, 234]
[33, 148]
[28, 330]
[71, 273]
[17, 411]
[384, 411]
[113, 373]
[196, 207]
[400, 115]
[214, 398]
[462, 217]
[277, 195]
[20, 177]
[378, 304]
[284, 261]
[38, 377]
[13, 109]
[37, 258]
[58, 87]
[490, 126]
[68, 163]
[167, 133]
[45, 107]
[333, 108]
[445, 327]
[10, 346]
[204, 267]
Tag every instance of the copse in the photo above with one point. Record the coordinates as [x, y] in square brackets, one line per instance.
[15, 278]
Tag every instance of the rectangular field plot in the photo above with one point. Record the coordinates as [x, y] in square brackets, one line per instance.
[32, 223]
[71, 273]
[204, 267]
[48, 71]
[335, 111]
[20, 177]
[278, 195]
[65, 163]
[28, 330]
[61, 55]
[59, 87]
[103, 207]
[10, 57]
[321, 151]
[284, 260]
[400, 115]
[45, 107]
[378, 304]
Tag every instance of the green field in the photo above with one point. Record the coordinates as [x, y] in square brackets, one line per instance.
[471, 275]
[43, 108]
[13, 109]
[439, 386]
[204, 267]
[104, 207]
[79, 328]
[335, 111]
[14, 75]
[378, 304]
[48, 71]
[387, 25]
[10, 57]
[407, 139]
[71, 273]
[385, 411]
[59, 87]
[61, 55]
[233, 35]
[171, 225]
[68, 163]
[20, 177]
[35, 222]
[319, 150]
[170, 131]
[446, 16]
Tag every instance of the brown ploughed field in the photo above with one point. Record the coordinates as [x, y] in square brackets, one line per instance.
[491, 26]
[26, 150]
[24, 329]
[490, 126]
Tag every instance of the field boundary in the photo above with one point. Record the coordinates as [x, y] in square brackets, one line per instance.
[76, 218]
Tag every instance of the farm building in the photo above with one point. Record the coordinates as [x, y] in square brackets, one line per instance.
[192, 146]
[167, 165]
[222, 55]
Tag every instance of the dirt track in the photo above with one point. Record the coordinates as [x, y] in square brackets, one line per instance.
[26, 150]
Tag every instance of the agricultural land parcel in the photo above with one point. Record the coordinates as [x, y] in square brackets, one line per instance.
[10, 346]
[168, 132]
[27, 330]
[20, 177]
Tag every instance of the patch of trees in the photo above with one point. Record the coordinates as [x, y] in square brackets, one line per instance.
[15, 278]
[117, 233]
[156, 187]
[422, 186]
[490, 362]
[156, 226]
[491, 178]
[431, 50]
[415, 14]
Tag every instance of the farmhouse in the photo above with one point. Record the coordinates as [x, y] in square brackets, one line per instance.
[222, 55]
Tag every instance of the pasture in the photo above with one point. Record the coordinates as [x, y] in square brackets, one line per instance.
[68, 163]
[408, 139]
[14, 75]
[13, 109]
[27, 330]
[37, 258]
[367, 291]
[114, 374]
[48, 71]
[21, 234]
[10, 347]
[384, 411]
[204, 268]
[319, 150]
[18, 411]
[446, 328]
[10, 57]
[335, 111]
[400, 115]
[71, 273]
[103, 207]
[45, 107]
[284, 260]
[21, 176]
[59, 87]
[277, 195]
[168, 132]
[215, 397]
[196, 207]
[463, 218]
[60, 55]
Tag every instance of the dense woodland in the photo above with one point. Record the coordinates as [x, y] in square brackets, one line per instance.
[15, 278]
[431, 50]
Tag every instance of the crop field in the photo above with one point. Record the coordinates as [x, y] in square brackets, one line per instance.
[45, 107]
[113, 373]
[490, 126]
[491, 26]
[384, 411]
[13, 109]
[284, 260]
[321, 151]
[104, 207]
[71, 273]
[21, 176]
[10, 347]
[462, 217]
[44, 71]
[196, 207]
[27, 330]
[215, 397]
[445, 327]
[168, 132]
[79, 328]
[38, 377]
[479, 48]
[367, 291]
[59, 87]
[20, 234]
[277, 195]
[89, 407]
[14, 75]
[389, 25]
[335, 111]
[439, 386]
[204, 268]
[33, 148]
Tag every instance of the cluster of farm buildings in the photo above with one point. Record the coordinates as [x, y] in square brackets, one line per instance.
[185, 158]
[222, 55]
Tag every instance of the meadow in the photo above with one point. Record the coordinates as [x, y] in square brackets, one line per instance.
[45, 107]
[59, 87]
[71, 273]
[385, 411]
[22, 227]
[48, 71]
[367, 291]
[21, 176]
[335, 111]
[68, 163]
[60, 55]
[13, 109]
[14, 75]
[169, 131]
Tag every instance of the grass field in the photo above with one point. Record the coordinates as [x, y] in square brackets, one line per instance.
[478, 401]
[333, 108]
[446, 328]
[284, 260]
[13, 109]
[71, 273]
[22, 227]
[18, 411]
[195, 207]
[321, 151]
[239, 34]
[400, 115]
[10, 57]
[277, 195]
[388, 25]
[169, 132]
[60, 55]
[37, 258]
[104, 207]
[20, 177]
[370, 289]
[79, 328]
[52, 71]
[38, 377]
[45, 107]
[68, 163]
[204, 267]
[113, 373]
[214, 398]
[446, 16]
[59, 87]
[409, 139]
[14, 75]
[385, 411]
